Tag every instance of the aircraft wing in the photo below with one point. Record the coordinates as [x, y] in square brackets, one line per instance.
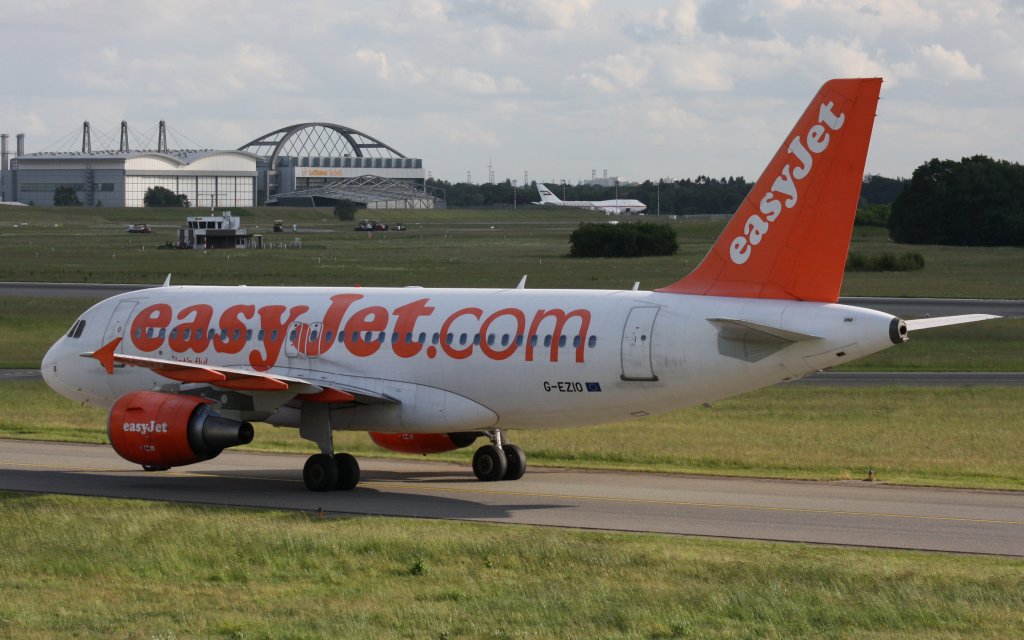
[232, 378]
[945, 321]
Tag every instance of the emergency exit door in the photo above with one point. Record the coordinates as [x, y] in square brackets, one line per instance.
[637, 344]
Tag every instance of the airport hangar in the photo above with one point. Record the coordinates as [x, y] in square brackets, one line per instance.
[307, 164]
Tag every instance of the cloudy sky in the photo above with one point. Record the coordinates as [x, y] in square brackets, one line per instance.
[642, 89]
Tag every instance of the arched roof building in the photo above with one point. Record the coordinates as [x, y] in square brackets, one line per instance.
[320, 162]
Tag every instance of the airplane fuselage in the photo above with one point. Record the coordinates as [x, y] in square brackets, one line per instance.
[441, 360]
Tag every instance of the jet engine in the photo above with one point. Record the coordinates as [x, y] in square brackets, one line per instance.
[423, 443]
[161, 430]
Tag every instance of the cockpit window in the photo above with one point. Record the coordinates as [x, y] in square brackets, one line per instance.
[77, 329]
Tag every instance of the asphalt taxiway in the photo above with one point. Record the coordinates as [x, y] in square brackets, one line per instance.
[856, 513]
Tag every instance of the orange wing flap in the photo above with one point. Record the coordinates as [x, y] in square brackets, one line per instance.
[234, 379]
[224, 377]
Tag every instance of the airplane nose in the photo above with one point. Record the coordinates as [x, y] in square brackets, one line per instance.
[50, 368]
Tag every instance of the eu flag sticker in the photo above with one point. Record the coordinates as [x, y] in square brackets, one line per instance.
[593, 386]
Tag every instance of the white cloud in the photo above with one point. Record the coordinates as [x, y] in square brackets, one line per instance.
[616, 73]
[375, 59]
[667, 118]
[950, 64]
[534, 14]
[837, 58]
[479, 83]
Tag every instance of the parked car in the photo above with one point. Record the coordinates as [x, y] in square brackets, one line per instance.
[371, 225]
[398, 227]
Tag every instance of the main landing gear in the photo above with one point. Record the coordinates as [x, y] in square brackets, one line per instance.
[326, 470]
[498, 460]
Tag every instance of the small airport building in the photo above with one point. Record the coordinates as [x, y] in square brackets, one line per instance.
[308, 164]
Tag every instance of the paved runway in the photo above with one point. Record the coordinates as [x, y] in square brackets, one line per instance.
[844, 513]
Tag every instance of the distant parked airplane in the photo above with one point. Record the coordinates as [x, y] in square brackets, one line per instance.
[186, 369]
[608, 206]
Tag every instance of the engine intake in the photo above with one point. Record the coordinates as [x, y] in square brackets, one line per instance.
[165, 430]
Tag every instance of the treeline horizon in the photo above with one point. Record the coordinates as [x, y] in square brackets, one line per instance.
[702, 195]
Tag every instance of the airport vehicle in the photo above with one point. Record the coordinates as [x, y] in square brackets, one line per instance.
[186, 369]
[139, 228]
[371, 225]
[607, 206]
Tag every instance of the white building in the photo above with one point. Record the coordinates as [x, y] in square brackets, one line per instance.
[121, 178]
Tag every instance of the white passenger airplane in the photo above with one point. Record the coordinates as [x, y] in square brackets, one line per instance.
[607, 206]
[185, 369]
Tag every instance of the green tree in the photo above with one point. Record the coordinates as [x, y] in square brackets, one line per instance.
[346, 210]
[163, 197]
[873, 215]
[881, 190]
[65, 196]
[977, 201]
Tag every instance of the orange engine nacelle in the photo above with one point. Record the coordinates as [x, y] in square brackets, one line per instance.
[423, 442]
[165, 430]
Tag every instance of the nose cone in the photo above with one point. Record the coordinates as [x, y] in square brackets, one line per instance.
[49, 367]
[72, 376]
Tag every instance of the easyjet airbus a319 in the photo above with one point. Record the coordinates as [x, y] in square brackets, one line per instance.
[186, 369]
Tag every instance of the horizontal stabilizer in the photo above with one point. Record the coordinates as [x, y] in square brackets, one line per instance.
[931, 323]
[747, 331]
[752, 341]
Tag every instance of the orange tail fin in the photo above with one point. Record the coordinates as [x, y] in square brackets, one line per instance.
[789, 238]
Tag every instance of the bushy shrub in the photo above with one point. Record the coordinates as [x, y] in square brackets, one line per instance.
[623, 240]
[885, 262]
[873, 215]
[345, 210]
[65, 196]
[164, 197]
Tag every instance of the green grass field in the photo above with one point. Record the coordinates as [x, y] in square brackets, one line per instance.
[95, 568]
[485, 248]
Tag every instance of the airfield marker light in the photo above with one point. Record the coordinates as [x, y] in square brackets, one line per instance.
[871, 475]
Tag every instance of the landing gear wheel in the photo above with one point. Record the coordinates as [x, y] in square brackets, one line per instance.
[348, 472]
[489, 463]
[154, 467]
[516, 459]
[320, 473]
